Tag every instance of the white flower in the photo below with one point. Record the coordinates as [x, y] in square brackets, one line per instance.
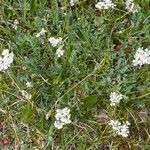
[100, 5]
[115, 98]
[141, 57]
[106, 4]
[123, 131]
[6, 60]
[65, 119]
[5, 52]
[15, 24]
[130, 6]
[119, 129]
[60, 52]
[62, 117]
[72, 2]
[29, 84]
[55, 41]
[42, 32]
[58, 125]
[26, 95]
[115, 124]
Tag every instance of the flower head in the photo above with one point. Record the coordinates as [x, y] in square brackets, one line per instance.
[106, 4]
[6, 60]
[141, 57]
[29, 84]
[60, 52]
[26, 95]
[119, 129]
[58, 124]
[55, 41]
[62, 117]
[130, 6]
[41, 33]
[115, 98]
[72, 2]
[15, 24]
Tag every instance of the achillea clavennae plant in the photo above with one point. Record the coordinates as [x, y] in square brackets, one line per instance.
[62, 117]
[41, 33]
[141, 57]
[6, 60]
[115, 98]
[106, 4]
[119, 129]
[130, 6]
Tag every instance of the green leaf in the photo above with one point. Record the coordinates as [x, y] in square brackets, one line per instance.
[98, 21]
[28, 113]
[50, 135]
[33, 6]
[90, 101]
[44, 2]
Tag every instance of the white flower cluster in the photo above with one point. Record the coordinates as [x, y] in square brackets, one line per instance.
[29, 85]
[141, 57]
[6, 60]
[62, 117]
[41, 33]
[54, 42]
[106, 4]
[119, 129]
[60, 51]
[115, 98]
[26, 95]
[130, 6]
[72, 2]
[15, 24]
[57, 42]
